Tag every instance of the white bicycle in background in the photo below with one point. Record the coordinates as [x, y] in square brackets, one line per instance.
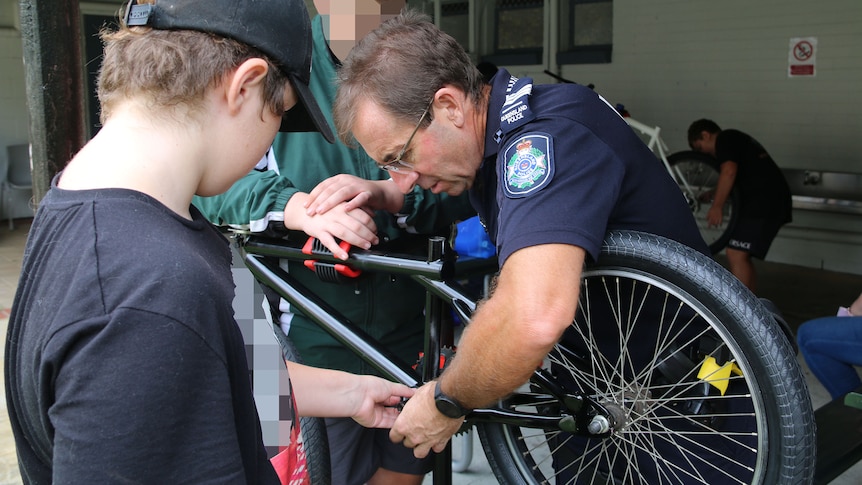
[695, 173]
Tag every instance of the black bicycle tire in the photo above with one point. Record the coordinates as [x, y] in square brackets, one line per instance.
[766, 356]
[313, 430]
[700, 207]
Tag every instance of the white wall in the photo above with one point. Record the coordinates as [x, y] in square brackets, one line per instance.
[678, 60]
[675, 61]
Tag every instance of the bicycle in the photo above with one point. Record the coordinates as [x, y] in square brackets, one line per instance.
[696, 174]
[672, 371]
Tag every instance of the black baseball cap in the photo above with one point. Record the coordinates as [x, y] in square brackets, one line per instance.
[281, 29]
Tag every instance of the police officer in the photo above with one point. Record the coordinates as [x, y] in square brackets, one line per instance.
[549, 168]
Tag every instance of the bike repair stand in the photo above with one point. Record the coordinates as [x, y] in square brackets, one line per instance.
[438, 329]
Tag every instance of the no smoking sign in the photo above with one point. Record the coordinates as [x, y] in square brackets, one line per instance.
[803, 53]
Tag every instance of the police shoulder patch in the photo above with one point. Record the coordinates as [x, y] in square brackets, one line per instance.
[528, 164]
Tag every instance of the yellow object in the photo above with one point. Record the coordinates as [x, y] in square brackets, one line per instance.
[717, 375]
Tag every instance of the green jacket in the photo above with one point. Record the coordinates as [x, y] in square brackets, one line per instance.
[386, 307]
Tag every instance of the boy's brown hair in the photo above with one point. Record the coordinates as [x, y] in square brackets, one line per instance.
[169, 52]
[172, 69]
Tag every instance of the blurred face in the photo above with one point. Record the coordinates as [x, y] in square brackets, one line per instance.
[437, 157]
[346, 21]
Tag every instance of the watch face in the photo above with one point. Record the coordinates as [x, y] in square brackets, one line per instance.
[446, 405]
[448, 408]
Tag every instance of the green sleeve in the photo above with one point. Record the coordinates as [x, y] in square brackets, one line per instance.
[255, 202]
[425, 212]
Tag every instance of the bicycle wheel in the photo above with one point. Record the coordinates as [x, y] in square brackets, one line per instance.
[313, 430]
[702, 385]
[697, 176]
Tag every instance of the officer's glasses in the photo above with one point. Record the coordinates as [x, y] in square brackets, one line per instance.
[396, 164]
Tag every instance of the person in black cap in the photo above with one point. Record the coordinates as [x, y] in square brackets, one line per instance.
[124, 363]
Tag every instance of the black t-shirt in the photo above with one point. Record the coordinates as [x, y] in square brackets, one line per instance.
[124, 363]
[763, 191]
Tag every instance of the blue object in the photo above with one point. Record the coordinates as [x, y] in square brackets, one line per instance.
[472, 240]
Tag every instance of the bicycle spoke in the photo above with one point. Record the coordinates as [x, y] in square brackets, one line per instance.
[682, 400]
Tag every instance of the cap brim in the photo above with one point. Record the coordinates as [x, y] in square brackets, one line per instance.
[306, 114]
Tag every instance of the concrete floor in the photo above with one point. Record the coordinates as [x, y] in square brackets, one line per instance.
[801, 294]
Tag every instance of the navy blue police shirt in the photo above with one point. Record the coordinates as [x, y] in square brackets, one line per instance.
[562, 166]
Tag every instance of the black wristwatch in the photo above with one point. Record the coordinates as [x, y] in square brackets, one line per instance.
[446, 405]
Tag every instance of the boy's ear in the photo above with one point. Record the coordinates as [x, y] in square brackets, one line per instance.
[246, 81]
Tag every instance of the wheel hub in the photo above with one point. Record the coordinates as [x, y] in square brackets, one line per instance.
[622, 412]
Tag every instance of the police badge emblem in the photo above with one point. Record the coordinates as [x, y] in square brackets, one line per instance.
[529, 166]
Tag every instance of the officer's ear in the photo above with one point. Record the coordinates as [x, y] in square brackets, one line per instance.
[452, 104]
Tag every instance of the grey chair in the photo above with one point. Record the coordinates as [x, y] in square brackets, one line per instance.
[18, 176]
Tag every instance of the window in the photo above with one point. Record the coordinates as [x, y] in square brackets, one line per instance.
[455, 21]
[454, 17]
[519, 32]
[586, 31]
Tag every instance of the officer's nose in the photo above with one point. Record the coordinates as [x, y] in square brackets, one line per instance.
[404, 180]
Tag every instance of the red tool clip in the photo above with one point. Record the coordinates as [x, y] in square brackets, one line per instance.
[325, 270]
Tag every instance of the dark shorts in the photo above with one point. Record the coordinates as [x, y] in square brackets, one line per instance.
[357, 452]
[754, 236]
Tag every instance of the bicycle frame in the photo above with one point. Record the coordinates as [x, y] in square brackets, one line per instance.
[634, 378]
[436, 273]
[659, 147]
[430, 274]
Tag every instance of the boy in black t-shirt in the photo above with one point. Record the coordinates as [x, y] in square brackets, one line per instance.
[765, 202]
[123, 362]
